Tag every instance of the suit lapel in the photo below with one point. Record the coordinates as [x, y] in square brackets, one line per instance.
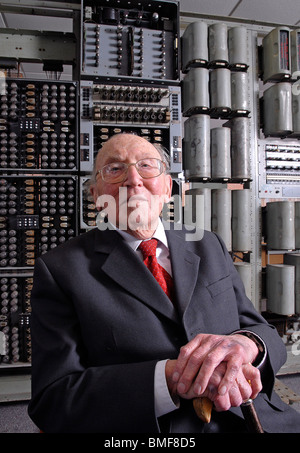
[185, 267]
[127, 270]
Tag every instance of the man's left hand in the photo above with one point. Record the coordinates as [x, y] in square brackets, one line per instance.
[217, 366]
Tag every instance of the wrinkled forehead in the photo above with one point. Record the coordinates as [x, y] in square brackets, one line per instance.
[125, 147]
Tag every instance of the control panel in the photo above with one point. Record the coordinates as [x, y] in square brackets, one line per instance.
[279, 170]
[150, 111]
[135, 40]
[15, 317]
[37, 213]
[38, 125]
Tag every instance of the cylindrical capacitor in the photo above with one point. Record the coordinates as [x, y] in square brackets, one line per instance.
[280, 225]
[278, 121]
[194, 46]
[296, 113]
[221, 215]
[200, 206]
[197, 147]
[220, 153]
[220, 91]
[244, 270]
[295, 54]
[276, 55]
[218, 44]
[237, 48]
[241, 220]
[281, 289]
[293, 259]
[195, 88]
[240, 148]
[239, 93]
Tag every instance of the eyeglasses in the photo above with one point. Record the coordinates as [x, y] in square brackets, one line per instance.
[146, 168]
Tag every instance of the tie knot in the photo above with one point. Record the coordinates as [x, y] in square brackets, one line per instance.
[148, 248]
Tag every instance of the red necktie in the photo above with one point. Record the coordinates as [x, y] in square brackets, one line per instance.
[148, 249]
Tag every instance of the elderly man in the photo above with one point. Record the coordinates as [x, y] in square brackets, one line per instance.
[119, 347]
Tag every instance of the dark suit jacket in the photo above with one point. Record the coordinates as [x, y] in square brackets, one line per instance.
[100, 323]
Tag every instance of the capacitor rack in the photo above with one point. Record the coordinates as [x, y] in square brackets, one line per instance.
[273, 157]
[279, 175]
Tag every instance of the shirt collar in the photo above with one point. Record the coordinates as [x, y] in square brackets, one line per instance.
[133, 242]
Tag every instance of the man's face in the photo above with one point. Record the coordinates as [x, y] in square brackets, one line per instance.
[139, 202]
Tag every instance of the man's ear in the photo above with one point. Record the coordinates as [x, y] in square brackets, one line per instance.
[94, 192]
[169, 185]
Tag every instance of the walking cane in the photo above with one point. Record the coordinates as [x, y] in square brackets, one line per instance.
[203, 408]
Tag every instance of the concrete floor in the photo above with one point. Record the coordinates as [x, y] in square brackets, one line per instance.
[14, 418]
[293, 383]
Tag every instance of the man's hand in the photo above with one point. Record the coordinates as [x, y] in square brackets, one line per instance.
[218, 367]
